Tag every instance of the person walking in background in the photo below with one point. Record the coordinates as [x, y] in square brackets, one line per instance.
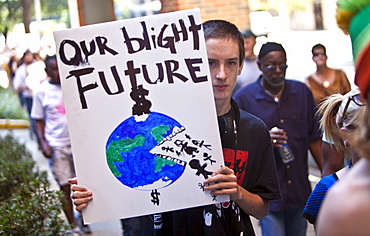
[249, 175]
[36, 73]
[19, 81]
[325, 81]
[289, 111]
[12, 66]
[250, 71]
[339, 114]
[53, 136]
[346, 207]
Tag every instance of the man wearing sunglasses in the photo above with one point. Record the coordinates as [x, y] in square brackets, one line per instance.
[289, 111]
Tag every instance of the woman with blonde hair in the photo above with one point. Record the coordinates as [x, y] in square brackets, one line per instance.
[344, 109]
[346, 208]
[339, 114]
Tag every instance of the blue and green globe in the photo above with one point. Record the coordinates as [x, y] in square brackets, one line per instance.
[129, 157]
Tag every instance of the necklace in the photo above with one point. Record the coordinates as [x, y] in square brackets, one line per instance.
[325, 82]
[275, 96]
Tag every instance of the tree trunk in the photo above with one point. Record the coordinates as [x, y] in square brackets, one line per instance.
[318, 15]
[27, 15]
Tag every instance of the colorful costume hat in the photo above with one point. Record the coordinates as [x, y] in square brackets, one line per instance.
[353, 17]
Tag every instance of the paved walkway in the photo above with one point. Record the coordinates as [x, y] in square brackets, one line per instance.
[113, 228]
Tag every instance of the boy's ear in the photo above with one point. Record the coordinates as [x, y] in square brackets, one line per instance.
[240, 68]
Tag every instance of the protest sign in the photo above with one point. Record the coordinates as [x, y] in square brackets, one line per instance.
[141, 114]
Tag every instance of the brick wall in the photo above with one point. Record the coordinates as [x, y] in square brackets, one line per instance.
[235, 11]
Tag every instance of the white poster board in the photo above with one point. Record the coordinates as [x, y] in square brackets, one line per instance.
[141, 114]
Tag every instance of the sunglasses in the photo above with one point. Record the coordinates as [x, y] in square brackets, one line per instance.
[357, 100]
[273, 68]
[321, 53]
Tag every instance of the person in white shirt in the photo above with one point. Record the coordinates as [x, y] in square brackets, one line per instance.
[250, 71]
[52, 134]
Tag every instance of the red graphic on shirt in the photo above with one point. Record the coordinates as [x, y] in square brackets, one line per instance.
[236, 160]
[225, 204]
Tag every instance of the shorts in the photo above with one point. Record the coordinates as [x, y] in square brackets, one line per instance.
[62, 165]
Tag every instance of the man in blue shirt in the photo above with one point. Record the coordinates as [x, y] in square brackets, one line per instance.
[289, 111]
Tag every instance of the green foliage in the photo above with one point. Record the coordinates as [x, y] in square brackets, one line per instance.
[27, 204]
[10, 107]
[10, 15]
[11, 12]
[124, 8]
[53, 9]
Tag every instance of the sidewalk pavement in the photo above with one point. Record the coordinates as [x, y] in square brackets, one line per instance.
[113, 228]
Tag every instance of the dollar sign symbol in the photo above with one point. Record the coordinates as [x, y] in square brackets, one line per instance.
[155, 199]
[142, 105]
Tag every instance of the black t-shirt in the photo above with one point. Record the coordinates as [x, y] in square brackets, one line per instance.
[247, 150]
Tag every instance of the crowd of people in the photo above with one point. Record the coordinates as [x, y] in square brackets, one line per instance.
[25, 76]
[36, 82]
[275, 122]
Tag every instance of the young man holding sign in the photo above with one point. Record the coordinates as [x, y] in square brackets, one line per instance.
[249, 175]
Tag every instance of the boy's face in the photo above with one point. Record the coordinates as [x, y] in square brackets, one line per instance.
[223, 59]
